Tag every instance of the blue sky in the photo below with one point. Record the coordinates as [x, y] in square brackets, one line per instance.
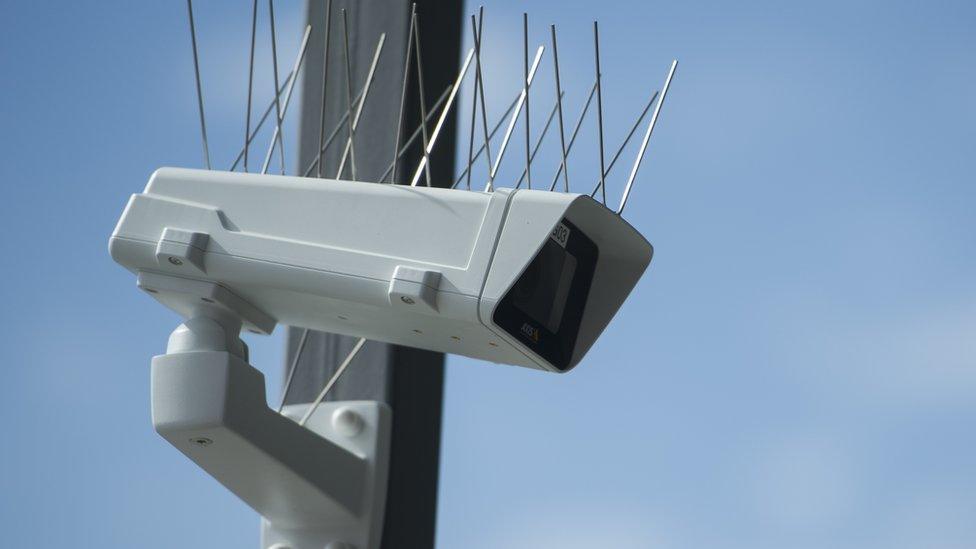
[797, 368]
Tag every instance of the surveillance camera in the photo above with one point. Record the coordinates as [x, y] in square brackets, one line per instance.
[522, 277]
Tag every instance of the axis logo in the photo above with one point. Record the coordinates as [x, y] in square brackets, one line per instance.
[531, 332]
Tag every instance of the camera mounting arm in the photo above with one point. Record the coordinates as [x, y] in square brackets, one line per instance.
[317, 485]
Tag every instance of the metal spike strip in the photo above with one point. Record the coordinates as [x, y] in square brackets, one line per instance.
[341, 124]
[440, 122]
[623, 145]
[416, 133]
[196, 72]
[538, 142]
[352, 130]
[423, 100]
[599, 108]
[525, 87]
[647, 137]
[291, 86]
[325, 77]
[335, 132]
[474, 105]
[250, 83]
[491, 135]
[359, 109]
[576, 129]
[480, 86]
[257, 128]
[403, 95]
[511, 123]
[278, 118]
[559, 106]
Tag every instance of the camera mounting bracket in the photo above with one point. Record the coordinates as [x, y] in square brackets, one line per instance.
[318, 485]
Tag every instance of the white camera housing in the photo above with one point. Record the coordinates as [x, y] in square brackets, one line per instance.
[521, 277]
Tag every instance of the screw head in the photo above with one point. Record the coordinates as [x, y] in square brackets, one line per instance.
[175, 261]
[201, 441]
[346, 422]
[406, 299]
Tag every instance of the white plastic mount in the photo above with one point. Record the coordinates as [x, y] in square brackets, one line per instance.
[315, 486]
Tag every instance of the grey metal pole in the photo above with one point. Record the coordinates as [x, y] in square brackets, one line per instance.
[410, 380]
